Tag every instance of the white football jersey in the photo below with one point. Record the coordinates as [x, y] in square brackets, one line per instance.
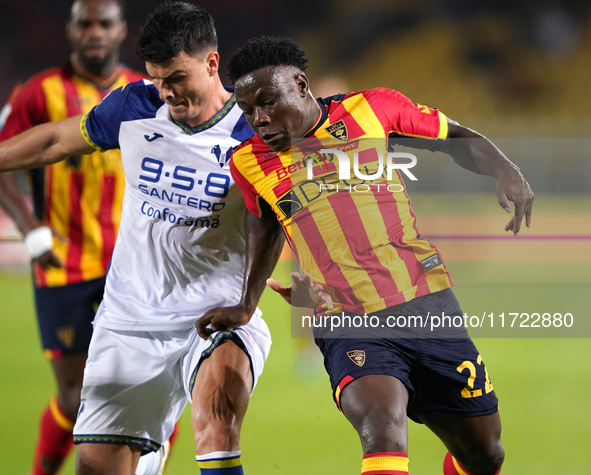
[180, 247]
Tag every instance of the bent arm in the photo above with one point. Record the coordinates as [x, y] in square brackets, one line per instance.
[43, 145]
[14, 205]
[264, 241]
[476, 153]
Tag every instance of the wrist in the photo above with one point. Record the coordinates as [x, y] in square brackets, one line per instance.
[38, 241]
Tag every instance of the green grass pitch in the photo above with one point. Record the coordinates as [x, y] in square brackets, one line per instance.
[292, 426]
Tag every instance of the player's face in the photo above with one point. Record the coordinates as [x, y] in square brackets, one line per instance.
[276, 104]
[96, 31]
[186, 83]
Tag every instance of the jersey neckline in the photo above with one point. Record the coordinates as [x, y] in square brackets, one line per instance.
[219, 115]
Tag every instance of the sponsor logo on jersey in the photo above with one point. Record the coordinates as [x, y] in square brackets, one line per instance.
[221, 156]
[154, 136]
[167, 215]
[357, 357]
[289, 204]
[338, 130]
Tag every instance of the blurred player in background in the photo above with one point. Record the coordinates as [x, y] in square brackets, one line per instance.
[180, 252]
[77, 208]
[363, 250]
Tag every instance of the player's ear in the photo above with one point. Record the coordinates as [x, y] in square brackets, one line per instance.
[302, 84]
[123, 32]
[212, 60]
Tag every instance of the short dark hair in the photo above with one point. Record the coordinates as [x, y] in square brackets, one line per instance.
[173, 28]
[265, 51]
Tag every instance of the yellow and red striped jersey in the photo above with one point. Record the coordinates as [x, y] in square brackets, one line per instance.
[80, 197]
[358, 238]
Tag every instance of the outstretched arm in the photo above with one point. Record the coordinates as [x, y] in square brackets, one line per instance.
[478, 154]
[264, 241]
[43, 145]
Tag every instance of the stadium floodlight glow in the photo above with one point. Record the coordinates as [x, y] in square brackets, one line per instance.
[345, 165]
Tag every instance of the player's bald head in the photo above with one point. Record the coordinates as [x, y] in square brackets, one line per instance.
[78, 5]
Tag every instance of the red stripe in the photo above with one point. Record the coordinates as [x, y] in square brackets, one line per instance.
[106, 217]
[331, 272]
[354, 129]
[346, 380]
[249, 192]
[282, 188]
[73, 272]
[359, 244]
[394, 228]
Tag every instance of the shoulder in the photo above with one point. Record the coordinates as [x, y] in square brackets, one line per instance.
[136, 100]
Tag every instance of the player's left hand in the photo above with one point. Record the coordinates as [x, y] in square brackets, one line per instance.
[222, 318]
[511, 186]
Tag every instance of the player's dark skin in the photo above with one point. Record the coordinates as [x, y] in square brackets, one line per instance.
[277, 104]
[95, 30]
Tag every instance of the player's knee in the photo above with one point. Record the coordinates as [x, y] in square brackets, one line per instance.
[381, 430]
[486, 461]
[69, 399]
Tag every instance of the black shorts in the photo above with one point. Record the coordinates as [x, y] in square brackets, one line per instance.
[65, 316]
[442, 375]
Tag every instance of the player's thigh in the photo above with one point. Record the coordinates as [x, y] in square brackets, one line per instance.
[450, 377]
[65, 316]
[93, 459]
[377, 403]
[133, 391]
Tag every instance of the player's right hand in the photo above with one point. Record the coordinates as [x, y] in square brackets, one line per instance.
[302, 292]
[49, 259]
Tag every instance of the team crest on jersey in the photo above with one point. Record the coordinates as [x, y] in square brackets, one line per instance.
[357, 357]
[338, 130]
[66, 335]
[222, 157]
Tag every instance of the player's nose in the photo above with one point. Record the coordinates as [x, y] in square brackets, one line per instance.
[261, 118]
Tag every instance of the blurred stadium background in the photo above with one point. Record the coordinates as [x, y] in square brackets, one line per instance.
[519, 72]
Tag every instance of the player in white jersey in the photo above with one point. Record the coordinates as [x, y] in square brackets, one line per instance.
[181, 251]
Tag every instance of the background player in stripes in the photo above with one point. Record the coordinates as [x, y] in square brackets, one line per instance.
[180, 251]
[78, 201]
[366, 252]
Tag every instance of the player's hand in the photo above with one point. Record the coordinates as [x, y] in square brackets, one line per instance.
[49, 259]
[222, 318]
[302, 292]
[511, 186]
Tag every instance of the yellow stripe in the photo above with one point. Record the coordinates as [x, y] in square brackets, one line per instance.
[55, 98]
[220, 463]
[84, 132]
[61, 420]
[457, 466]
[385, 463]
[442, 126]
[91, 166]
